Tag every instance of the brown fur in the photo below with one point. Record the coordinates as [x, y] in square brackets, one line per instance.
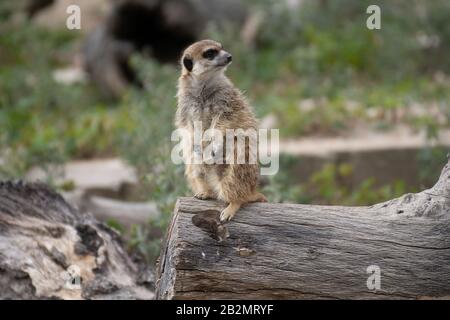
[205, 94]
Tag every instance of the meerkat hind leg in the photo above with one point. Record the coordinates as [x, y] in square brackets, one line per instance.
[204, 195]
[228, 213]
[201, 189]
[203, 192]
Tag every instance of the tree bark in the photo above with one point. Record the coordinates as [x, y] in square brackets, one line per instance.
[294, 251]
[49, 250]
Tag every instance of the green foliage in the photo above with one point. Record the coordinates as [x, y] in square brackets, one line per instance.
[146, 245]
[147, 146]
[431, 160]
[323, 49]
[333, 35]
[36, 111]
[281, 188]
[329, 185]
[7, 9]
[115, 225]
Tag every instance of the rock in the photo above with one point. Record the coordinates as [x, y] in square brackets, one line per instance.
[99, 176]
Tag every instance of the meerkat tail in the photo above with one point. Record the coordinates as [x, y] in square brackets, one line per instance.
[228, 213]
[257, 197]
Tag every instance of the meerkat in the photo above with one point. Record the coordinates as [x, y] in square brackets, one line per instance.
[205, 94]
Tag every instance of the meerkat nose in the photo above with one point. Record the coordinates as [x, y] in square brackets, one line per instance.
[229, 58]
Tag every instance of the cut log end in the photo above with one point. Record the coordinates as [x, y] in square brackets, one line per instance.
[399, 249]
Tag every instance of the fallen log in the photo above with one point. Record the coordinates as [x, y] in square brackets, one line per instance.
[399, 249]
[49, 250]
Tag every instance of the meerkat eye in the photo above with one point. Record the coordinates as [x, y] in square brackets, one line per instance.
[210, 54]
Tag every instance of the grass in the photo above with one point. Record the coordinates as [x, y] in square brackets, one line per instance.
[36, 111]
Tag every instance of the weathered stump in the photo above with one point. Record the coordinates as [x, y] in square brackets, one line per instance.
[162, 28]
[49, 250]
[294, 251]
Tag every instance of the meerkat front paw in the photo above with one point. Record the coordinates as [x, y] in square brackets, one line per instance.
[203, 195]
[226, 215]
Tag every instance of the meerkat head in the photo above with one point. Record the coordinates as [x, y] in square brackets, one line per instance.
[205, 58]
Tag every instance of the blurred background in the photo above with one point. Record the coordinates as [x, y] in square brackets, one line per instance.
[363, 114]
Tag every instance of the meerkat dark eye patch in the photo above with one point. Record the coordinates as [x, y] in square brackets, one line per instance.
[188, 64]
[210, 54]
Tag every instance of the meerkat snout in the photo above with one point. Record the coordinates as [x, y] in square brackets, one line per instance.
[223, 59]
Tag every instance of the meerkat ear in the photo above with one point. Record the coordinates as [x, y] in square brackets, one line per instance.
[188, 64]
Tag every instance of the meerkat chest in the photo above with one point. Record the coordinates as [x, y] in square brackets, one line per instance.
[198, 117]
[205, 113]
